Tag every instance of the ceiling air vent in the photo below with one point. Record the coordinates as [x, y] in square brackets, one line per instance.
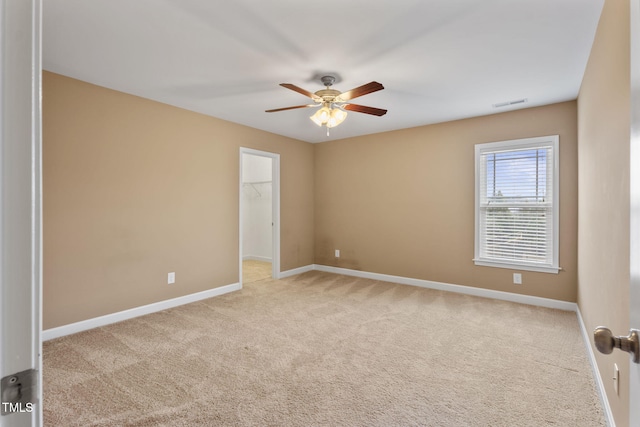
[508, 103]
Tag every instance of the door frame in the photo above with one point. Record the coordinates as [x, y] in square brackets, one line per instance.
[634, 203]
[21, 200]
[275, 209]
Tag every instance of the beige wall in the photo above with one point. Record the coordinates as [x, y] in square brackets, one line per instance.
[603, 233]
[402, 202]
[134, 189]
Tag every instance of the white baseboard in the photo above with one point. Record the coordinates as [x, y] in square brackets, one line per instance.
[135, 312]
[468, 290]
[295, 271]
[586, 336]
[256, 258]
[163, 305]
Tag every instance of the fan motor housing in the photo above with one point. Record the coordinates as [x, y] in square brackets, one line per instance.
[328, 95]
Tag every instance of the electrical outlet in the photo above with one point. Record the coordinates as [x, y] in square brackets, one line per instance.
[337, 253]
[616, 379]
[517, 279]
[171, 278]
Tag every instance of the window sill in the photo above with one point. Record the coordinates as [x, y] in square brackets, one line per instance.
[515, 266]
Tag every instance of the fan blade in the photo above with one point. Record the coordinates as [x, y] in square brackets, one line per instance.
[359, 91]
[363, 109]
[290, 108]
[300, 90]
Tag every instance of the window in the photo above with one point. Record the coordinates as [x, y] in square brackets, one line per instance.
[517, 204]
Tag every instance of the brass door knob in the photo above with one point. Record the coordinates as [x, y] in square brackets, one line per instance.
[605, 342]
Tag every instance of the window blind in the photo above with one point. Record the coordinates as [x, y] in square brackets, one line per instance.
[515, 204]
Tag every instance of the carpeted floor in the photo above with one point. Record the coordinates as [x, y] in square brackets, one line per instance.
[319, 349]
[253, 270]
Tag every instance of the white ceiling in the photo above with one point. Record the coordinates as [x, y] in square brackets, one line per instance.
[439, 60]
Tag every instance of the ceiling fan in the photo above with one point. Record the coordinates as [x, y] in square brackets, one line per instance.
[333, 103]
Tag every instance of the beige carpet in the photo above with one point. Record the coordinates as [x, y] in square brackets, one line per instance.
[253, 270]
[326, 350]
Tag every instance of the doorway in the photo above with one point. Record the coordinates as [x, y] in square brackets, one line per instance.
[259, 215]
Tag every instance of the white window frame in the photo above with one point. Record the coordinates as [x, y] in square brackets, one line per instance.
[518, 144]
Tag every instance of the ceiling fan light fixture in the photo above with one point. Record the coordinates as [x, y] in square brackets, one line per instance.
[337, 117]
[321, 116]
[333, 103]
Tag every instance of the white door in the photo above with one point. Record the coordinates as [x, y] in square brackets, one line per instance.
[20, 212]
[634, 291]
